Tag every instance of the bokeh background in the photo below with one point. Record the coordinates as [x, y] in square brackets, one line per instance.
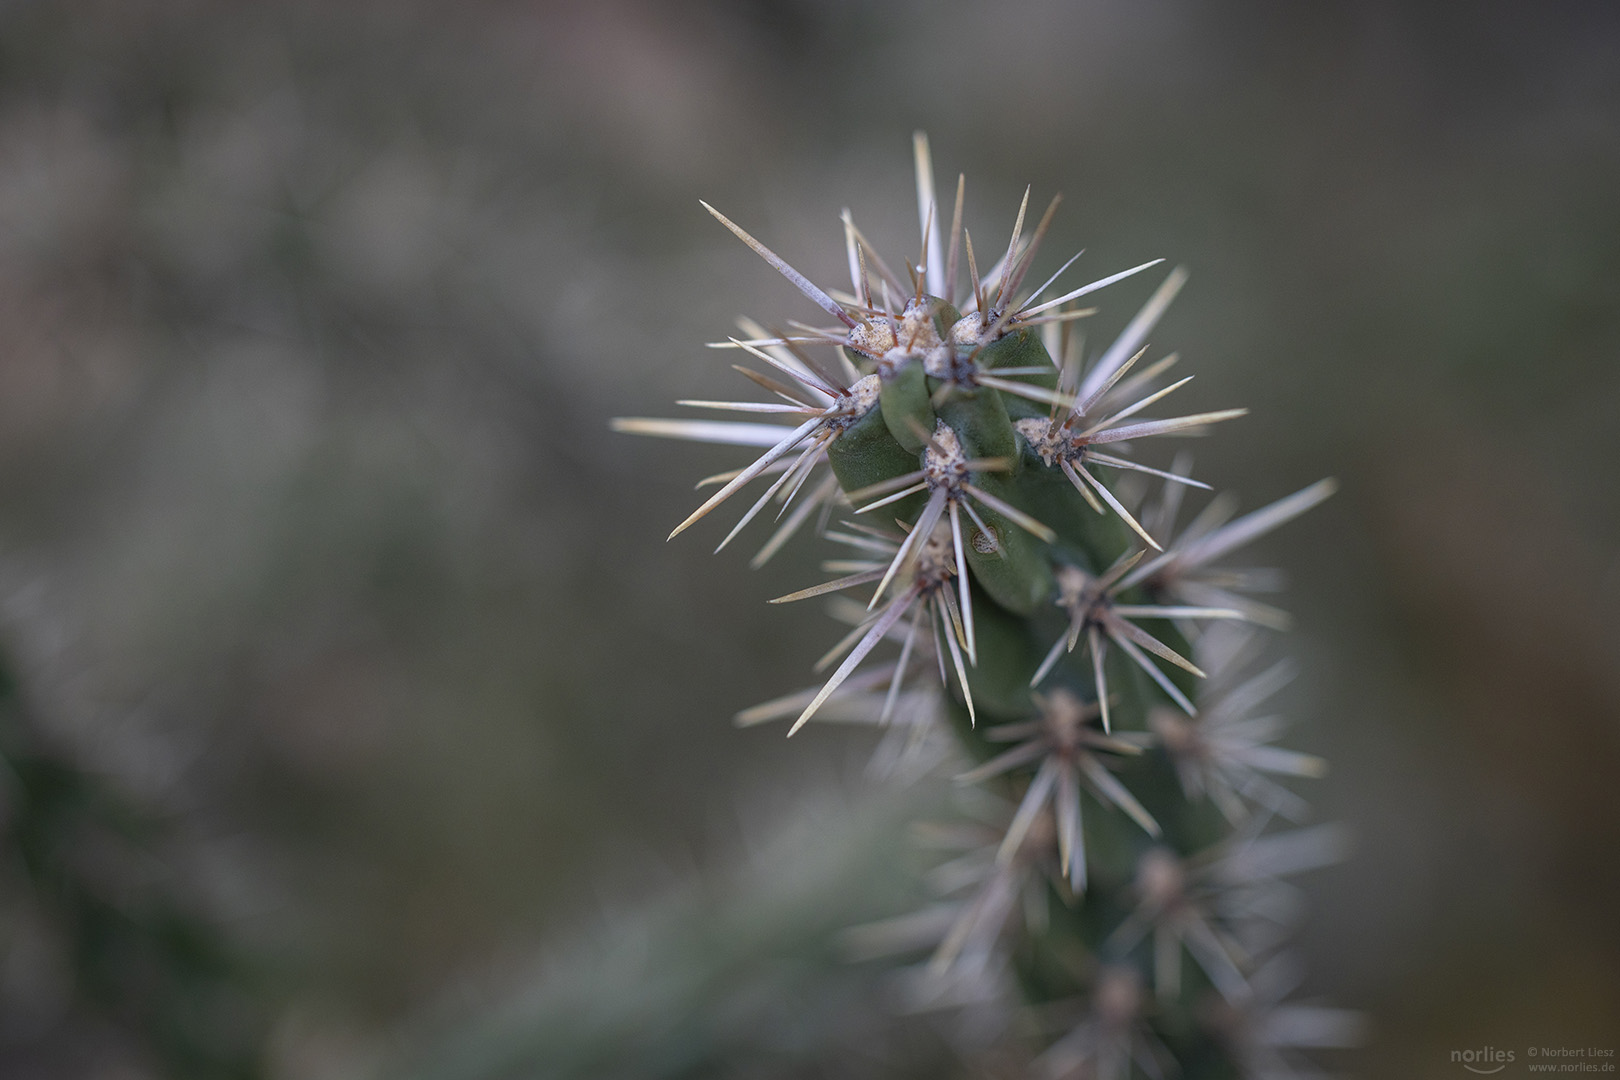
[357, 719]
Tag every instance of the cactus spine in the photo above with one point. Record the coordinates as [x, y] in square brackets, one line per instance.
[1091, 660]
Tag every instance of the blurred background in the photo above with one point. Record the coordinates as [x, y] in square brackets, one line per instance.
[358, 721]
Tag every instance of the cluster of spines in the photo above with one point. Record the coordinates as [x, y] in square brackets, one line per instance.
[974, 457]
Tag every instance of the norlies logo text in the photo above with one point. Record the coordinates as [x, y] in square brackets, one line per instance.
[1486, 1060]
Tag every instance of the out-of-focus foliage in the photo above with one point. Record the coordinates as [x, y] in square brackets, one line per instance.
[315, 549]
[107, 955]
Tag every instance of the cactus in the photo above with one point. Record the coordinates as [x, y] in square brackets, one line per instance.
[1092, 661]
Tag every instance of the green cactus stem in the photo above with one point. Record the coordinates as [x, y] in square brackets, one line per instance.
[1089, 658]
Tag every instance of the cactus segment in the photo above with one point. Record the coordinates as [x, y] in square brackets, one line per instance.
[978, 416]
[1090, 657]
[1008, 649]
[942, 314]
[1021, 351]
[906, 408]
[865, 454]
[1088, 537]
[920, 342]
[1008, 559]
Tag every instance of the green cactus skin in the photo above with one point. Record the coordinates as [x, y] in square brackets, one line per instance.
[907, 411]
[866, 453]
[1010, 466]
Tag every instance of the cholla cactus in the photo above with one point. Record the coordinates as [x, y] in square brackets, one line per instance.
[973, 462]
